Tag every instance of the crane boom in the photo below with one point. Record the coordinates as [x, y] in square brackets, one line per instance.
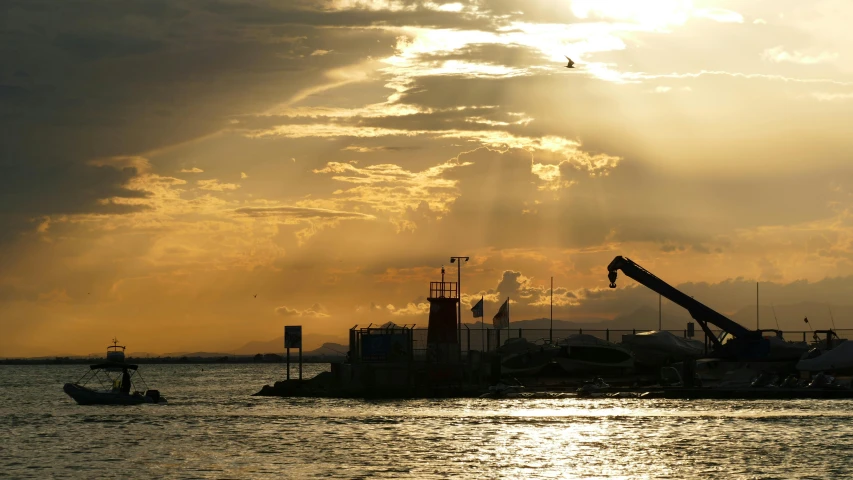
[746, 342]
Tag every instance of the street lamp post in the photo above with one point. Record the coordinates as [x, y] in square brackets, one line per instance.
[459, 303]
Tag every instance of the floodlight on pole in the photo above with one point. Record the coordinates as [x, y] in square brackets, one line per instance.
[459, 295]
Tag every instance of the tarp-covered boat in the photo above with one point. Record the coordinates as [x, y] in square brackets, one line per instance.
[839, 360]
[659, 348]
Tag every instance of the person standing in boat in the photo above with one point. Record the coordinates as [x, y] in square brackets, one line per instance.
[125, 381]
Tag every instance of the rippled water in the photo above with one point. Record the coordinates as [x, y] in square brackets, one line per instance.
[213, 428]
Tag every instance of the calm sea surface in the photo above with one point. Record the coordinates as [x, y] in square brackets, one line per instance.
[213, 428]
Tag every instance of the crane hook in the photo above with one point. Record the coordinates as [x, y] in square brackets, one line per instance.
[612, 277]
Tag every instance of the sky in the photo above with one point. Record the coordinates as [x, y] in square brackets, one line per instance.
[193, 175]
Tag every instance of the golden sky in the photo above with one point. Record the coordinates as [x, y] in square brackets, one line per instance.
[163, 161]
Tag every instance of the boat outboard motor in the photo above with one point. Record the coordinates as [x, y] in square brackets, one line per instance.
[153, 395]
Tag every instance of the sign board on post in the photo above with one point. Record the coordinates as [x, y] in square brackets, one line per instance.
[293, 336]
[293, 339]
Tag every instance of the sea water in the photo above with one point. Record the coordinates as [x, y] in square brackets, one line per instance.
[213, 428]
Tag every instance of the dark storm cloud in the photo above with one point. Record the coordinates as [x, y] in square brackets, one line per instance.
[84, 80]
[34, 190]
[94, 47]
[97, 10]
[418, 16]
[90, 80]
[14, 93]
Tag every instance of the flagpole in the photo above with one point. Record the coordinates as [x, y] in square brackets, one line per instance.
[551, 331]
[507, 318]
[483, 324]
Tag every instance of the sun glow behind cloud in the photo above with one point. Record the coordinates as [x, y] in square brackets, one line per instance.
[779, 54]
[425, 52]
[650, 14]
[419, 50]
[351, 141]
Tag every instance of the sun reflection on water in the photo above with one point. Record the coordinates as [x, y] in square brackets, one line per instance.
[212, 428]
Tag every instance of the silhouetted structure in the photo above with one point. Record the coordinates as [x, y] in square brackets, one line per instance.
[442, 338]
[746, 344]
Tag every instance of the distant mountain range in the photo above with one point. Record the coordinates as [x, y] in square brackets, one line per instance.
[784, 317]
[313, 344]
[310, 342]
[644, 318]
[325, 349]
[329, 349]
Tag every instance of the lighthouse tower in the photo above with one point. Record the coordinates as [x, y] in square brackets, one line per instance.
[442, 339]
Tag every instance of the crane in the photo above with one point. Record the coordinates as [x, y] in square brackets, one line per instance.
[745, 343]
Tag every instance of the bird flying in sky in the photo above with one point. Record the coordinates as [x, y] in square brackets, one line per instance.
[571, 63]
[255, 296]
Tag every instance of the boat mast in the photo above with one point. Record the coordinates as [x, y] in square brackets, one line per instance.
[756, 307]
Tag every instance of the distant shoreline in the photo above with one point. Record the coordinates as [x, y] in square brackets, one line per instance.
[230, 359]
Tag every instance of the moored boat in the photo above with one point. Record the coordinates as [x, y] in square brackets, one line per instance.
[838, 360]
[520, 357]
[660, 348]
[586, 354]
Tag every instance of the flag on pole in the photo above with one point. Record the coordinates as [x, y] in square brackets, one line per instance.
[478, 309]
[501, 319]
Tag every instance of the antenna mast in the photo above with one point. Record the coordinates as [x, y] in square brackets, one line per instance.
[551, 330]
[830, 317]
[774, 317]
